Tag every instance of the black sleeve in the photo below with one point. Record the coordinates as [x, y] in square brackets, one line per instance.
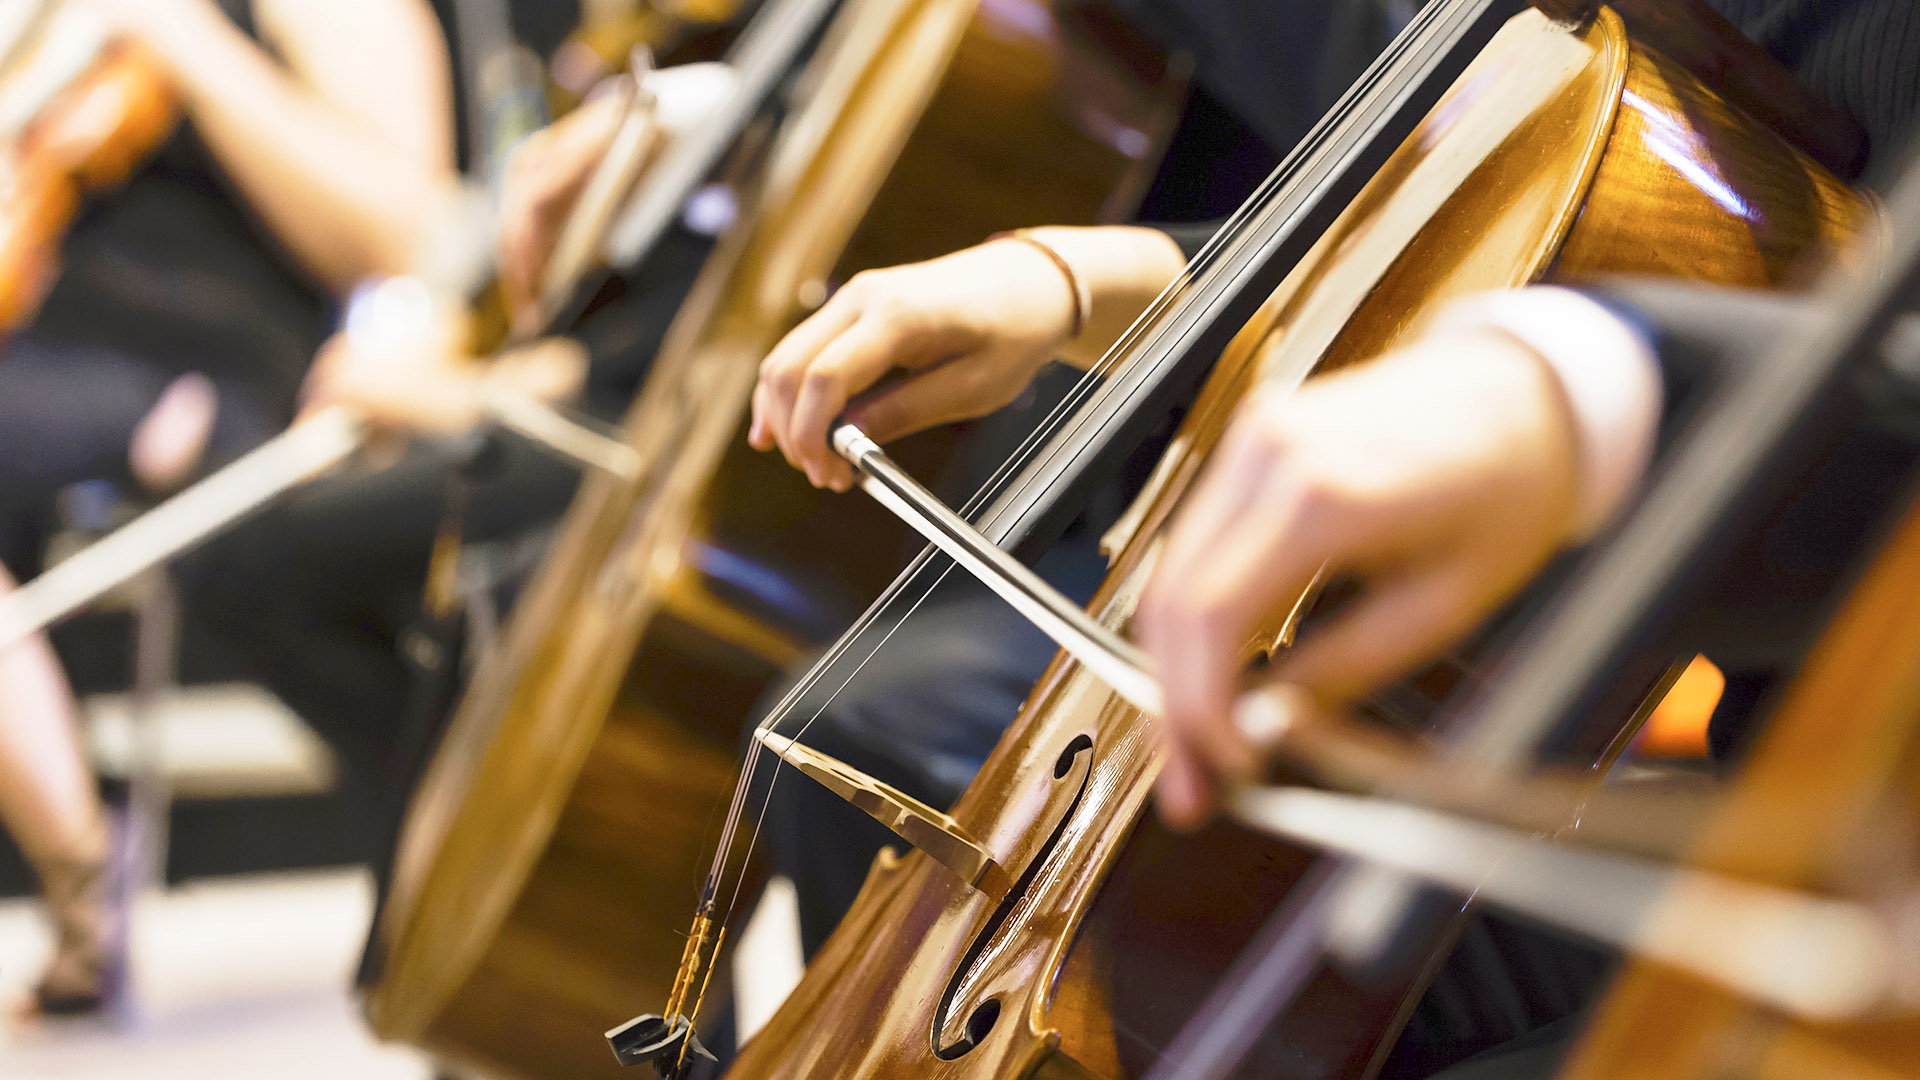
[1760, 614]
[1698, 333]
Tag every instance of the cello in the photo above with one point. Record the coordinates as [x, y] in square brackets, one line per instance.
[560, 821]
[1042, 928]
[1773, 937]
[1826, 802]
[1825, 805]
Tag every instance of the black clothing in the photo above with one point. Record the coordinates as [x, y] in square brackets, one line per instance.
[540, 25]
[1278, 65]
[314, 593]
[1862, 56]
[66, 414]
[168, 274]
[312, 598]
[175, 267]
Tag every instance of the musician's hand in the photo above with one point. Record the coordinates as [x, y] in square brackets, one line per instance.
[547, 172]
[970, 329]
[542, 179]
[1442, 476]
[433, 385]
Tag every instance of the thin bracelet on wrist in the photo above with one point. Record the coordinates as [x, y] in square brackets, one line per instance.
[1082, 299]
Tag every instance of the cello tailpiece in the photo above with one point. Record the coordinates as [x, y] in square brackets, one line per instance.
[670, 1046]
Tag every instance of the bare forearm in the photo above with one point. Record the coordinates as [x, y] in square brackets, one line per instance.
[1123, 268]
[343, 200]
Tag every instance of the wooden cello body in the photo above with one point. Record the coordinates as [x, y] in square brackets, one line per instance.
[559, 830]
[1558, 154]
[1826, 803]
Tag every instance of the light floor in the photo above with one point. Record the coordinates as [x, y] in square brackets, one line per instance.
[239, 978]
[246, 978]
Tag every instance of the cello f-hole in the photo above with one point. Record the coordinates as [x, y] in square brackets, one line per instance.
[1070, 770]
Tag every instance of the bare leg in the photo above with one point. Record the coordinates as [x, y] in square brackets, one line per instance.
[49, 803]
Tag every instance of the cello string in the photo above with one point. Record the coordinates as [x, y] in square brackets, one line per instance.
[1311, 146]
[1311, 150]
[1115, 660]
[780, 762]
[790, 700]
[1069, 414]
[1169, 296]
[1368, 88]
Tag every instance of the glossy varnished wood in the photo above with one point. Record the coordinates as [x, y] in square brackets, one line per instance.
[1116, 932]
[1827, 803]
[558, 841]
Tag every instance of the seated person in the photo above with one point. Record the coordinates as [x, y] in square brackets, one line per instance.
[316, 593]
[315, 145]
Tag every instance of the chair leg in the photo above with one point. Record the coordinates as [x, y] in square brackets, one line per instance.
[150, 793]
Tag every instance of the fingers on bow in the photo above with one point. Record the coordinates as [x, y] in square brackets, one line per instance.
[1238, 545]
[1247, 546]
[817, 370]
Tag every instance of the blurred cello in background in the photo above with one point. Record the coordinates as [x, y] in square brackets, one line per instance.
[560, 827]
[610, 30]
[1771, 925]
[1827, 803]
[1772, 928]
[78, 113]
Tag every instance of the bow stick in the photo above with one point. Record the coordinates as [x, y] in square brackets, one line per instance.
[306, 450]
[1824, 958]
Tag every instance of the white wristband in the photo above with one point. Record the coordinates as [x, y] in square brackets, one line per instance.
[1610, 376]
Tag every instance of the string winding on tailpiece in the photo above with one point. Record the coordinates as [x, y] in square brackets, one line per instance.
[667, 1041]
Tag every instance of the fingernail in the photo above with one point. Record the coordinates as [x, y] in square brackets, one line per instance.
[1264, 717]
